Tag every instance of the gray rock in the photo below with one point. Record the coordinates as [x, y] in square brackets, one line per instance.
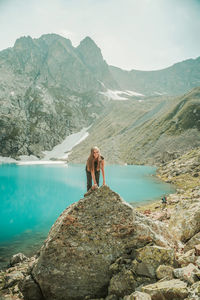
[13, 278]
[122, 283]
[30, 289]
[165, 290]
[187, 273]
[167, 156]
[111, 297]
[17, 258]
[44, 99]
[192, 242]
[164, 272]
[185, 222]
[85, 240]
[186, 258]
[150, 257]
[138, 296]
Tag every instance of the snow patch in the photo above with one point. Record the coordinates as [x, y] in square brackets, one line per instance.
[56, 156]
[113, 95]
[120, 95]
[101, 83]
[7, 160]
[132, 93]
[62, 150]
[28, 158]
[160, 94]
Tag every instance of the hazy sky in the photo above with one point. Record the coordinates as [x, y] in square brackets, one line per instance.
[132, 34]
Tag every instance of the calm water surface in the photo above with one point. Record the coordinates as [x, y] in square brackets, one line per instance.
[32, 197]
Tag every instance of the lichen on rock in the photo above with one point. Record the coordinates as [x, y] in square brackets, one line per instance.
[85, 240]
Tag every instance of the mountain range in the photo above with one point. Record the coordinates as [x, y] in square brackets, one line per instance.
[50, 89]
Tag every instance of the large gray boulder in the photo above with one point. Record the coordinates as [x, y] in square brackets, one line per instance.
[86, 239]
[185, 222]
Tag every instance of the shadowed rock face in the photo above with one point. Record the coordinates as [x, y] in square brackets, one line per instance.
[85, 240]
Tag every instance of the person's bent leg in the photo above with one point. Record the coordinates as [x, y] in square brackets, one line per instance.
[97, 175]
[89, 180]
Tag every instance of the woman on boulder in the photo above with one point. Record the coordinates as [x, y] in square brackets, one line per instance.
[95, 163]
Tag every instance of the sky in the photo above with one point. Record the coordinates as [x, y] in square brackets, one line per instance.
[132, 34]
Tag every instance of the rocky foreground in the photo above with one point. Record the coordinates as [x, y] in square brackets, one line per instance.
[103, 248]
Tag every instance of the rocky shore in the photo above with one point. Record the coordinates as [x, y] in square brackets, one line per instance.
[103, 248]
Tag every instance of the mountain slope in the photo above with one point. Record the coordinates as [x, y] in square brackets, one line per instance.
[150, 131]
[50, 89]
[174, 80]
[46, 93]
[186, 115]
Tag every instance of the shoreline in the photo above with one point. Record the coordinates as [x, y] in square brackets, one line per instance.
[139, 206]
[157, 204]
[179, 209]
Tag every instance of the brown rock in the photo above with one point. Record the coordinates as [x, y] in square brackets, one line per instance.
[197, 262]
[194, 291]
[192, 242]
[111, 297]
[185, 222]
[186, 258]
[164, 272]
[187, 273]
[86, 239]
[122, 283]
[30, 289]
[150, 257]
[197, 249]
[12, 278]
[165, 290]
[17, 258]
[138, 296]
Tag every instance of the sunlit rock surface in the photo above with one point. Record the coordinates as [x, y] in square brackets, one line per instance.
[86, 239]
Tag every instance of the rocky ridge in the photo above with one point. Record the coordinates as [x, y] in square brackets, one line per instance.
[50, 89]
[102, 248]
[153, 131]
[174, 80]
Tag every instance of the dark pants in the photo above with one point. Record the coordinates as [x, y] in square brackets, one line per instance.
[89, 178]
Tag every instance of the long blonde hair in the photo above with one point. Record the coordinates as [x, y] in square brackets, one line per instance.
[90, 160]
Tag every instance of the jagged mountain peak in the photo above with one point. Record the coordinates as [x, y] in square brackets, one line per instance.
[23, 42]
[89, 52]
[88, 41]
[49, 40]
[53, 37]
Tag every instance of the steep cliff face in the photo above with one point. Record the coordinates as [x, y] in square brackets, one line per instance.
[50, 89]
[52, 60]
[91, 56]
[46, 92]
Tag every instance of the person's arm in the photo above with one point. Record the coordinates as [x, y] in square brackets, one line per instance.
[103, 173]
[94, 179]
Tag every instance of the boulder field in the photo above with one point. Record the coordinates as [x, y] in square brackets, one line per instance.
[102, 248]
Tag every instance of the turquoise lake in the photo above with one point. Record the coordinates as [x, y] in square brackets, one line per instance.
[33, 196]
